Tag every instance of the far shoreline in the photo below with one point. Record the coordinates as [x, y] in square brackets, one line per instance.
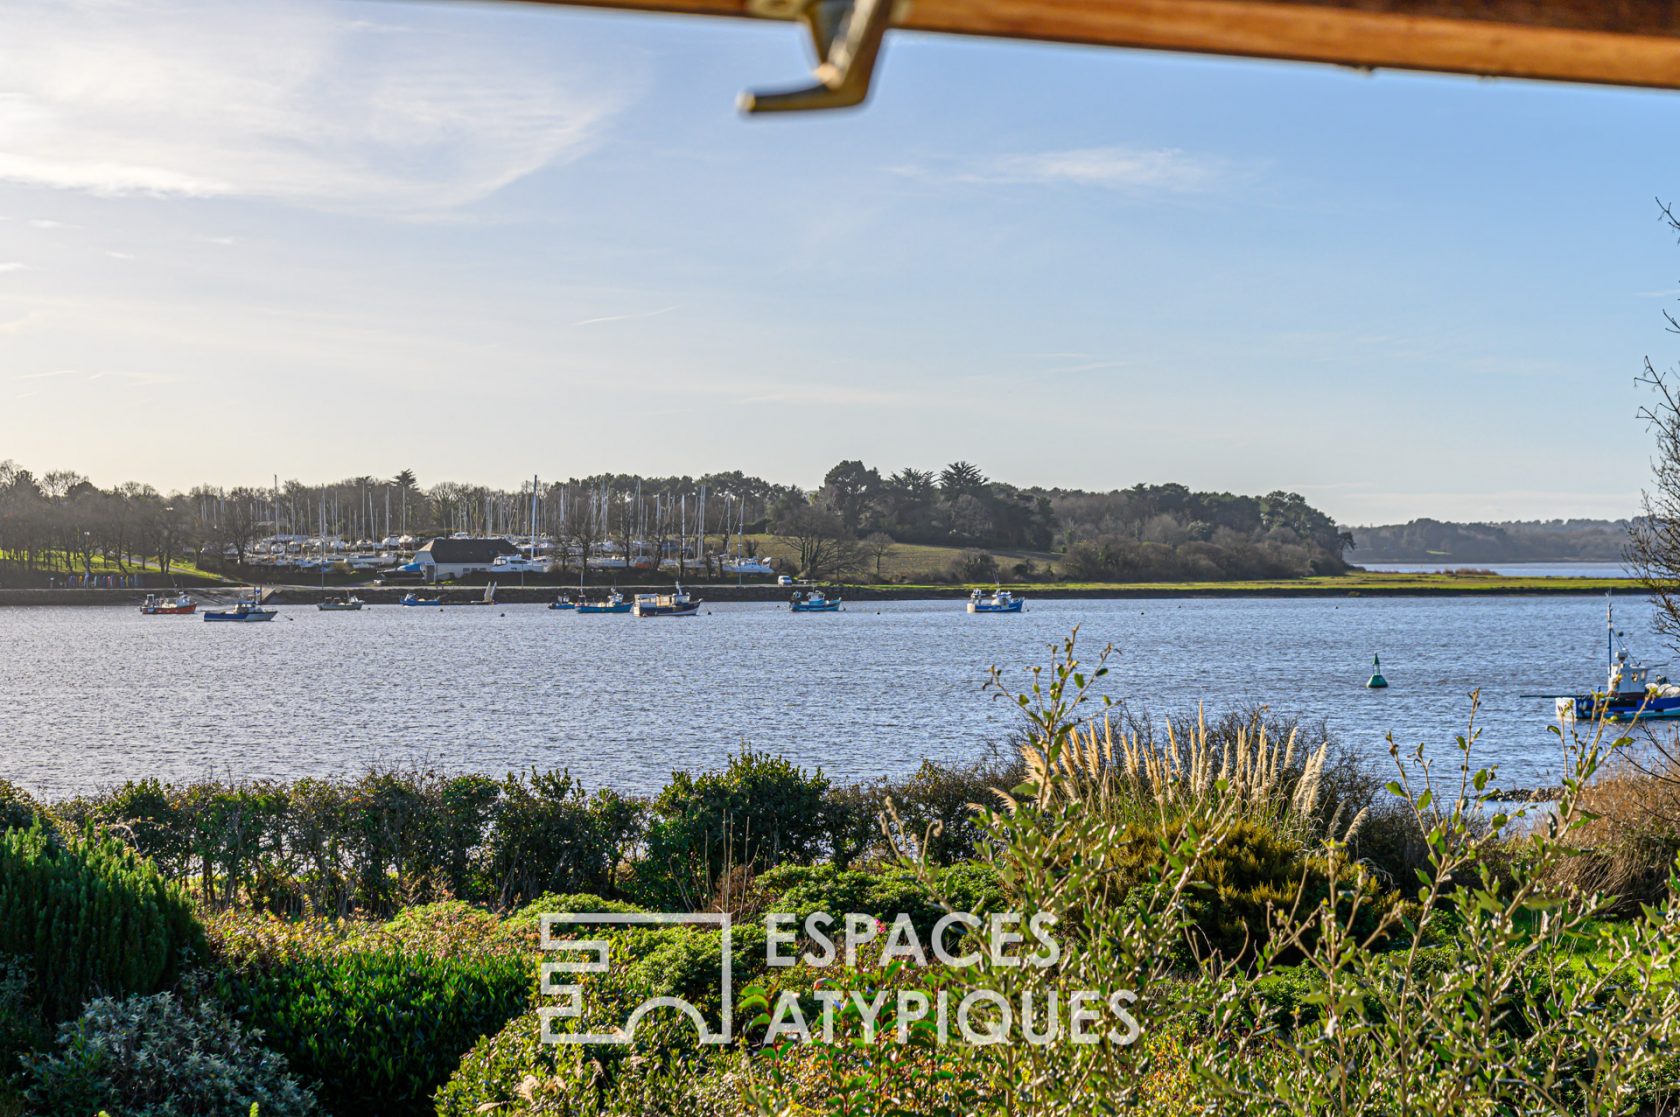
[1375, 584]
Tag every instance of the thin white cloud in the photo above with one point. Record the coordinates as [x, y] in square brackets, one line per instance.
[285, 101]
[49, 223]
[1159, 170]
[115, 255]
[624, 317]
[12, 265]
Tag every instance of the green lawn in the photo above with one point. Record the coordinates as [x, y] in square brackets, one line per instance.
[915, 565]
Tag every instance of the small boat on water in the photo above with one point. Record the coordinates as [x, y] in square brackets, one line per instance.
[164, 606]
[241, 611]
[350, 604]
[562, 602]
[814, 602]
[998, 601]
[489, 597]
[613, 603]
[677, 604]
[1630, 692]
[413, 599]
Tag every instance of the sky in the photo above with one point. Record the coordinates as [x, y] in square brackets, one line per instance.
[485, 241]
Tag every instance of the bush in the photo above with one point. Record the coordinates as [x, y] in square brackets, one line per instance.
[18, 809]
[761, 811]
[546, 839]
[1249, 874]
[656, 1072]
[22, 1030]
[1629, 844]
[156, 1057]
[90, 918]
[800, 890]
[379, 1030]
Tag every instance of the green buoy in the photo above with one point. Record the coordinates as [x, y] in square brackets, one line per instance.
[1376, 682]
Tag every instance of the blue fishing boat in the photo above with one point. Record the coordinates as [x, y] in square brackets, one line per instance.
[998, 601]
[1631, 692]
[241, 611]
[814, 602]
[415, 599]
[614, 603]
[563, 602]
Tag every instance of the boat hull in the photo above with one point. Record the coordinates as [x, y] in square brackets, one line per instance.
[566, 606]
[251, 617]
[1012, 607]
[338, 607]
[167, 610]
[1592, 707]
[434, 603]
[623, 607]
[666, 610]
[821, 607]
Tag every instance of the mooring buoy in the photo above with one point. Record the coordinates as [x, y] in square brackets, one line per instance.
[1376, 681]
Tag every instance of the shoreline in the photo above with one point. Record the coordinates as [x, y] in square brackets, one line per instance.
[1400, 585]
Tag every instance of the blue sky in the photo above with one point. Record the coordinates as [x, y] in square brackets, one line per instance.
[485, 241]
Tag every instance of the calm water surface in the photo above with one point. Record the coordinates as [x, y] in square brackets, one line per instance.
[92, 696]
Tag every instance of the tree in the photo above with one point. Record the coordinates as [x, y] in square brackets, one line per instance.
[819, 537]
[878, 543]
[848, 489]
[961, 479]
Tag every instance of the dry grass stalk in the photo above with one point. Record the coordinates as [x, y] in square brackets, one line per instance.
[1259, 774]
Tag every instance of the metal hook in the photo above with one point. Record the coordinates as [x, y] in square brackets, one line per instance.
[848, 36]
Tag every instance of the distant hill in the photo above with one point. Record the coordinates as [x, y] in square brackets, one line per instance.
[1513, 541]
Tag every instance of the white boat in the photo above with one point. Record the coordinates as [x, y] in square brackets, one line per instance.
[998, 601]
[350, 604]
[179, 605]
[677, 604]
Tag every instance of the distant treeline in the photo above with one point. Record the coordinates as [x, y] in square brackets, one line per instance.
[60, 521]
[1513, 541]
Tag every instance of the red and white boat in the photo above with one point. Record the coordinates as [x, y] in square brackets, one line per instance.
[155, 606]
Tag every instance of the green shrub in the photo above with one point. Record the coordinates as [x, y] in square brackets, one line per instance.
[92, 917]
[1248, 878]
[379, 1030]
[800, 890]
[18, 809]
[656, 1072]
[546, 839]
[22, 1030]
[157, 1057]
[761, 811]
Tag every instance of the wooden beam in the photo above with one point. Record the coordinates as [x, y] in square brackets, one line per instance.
[1615, 42]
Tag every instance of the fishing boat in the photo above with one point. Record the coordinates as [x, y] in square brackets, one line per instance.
[1631, 692]
[350, 604]
[677, 604]
[156, 606]
[814, 602]
[614, 603]
[998, 601]
[563, 602]
[413, 599]
[241, 611]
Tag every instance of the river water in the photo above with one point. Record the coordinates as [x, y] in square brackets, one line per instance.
[91, 696]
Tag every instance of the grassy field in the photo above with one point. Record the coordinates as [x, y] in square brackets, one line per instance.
[55, 564]
[918, 566]
[1352, 584]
